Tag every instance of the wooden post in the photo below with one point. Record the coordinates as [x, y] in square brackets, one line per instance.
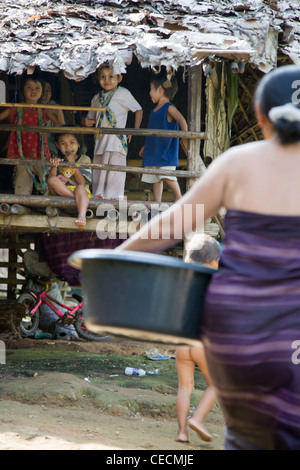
[11, 272]
[194, 161]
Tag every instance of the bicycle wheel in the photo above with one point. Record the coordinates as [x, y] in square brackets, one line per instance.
[86, 334]
[29, 323]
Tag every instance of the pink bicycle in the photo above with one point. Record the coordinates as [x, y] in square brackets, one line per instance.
[32, 300]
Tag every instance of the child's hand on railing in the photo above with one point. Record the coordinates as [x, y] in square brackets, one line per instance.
[56, 161]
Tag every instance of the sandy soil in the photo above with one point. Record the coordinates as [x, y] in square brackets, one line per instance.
[57, 407]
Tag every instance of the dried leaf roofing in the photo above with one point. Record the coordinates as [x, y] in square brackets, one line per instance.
[77, 36]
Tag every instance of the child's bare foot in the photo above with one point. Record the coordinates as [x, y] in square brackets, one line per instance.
[80, 222]
[200, 429]
[99, 196]
[182, 437]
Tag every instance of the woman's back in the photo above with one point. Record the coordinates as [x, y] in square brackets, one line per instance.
[263, 177]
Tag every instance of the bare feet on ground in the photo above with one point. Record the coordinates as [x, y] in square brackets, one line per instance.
[200, 429]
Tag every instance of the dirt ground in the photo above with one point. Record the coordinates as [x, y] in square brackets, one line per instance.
[62, 395]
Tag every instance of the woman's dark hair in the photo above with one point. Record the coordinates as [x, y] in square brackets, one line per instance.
[277, 88]
[68, 132]
[170, 86]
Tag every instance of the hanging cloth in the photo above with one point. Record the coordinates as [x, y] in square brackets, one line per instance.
[105, 99]
[40, 185]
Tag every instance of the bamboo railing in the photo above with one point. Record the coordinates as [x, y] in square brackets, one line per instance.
[61, 202]
[100, 166]
[103, 130]
[50, 106]
[97, 131]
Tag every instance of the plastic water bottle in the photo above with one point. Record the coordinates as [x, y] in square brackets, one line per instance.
[134, 371]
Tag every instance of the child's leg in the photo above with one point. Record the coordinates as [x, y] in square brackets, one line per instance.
[99, 176]
[115, 182]
[82, 202]
[58, 187]
[185, 372]
[174, 187]
[23, 181]
[157, 190]
[208, 398]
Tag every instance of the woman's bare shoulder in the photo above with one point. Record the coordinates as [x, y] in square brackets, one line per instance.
[240, 154]
[250, 148]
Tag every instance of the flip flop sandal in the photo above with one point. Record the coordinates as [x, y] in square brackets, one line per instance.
[158, 357]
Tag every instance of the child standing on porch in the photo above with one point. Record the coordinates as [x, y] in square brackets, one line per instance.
[30, 145]
[111, 149]
[162, 152]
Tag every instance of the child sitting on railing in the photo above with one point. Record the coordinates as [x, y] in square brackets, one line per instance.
[77, 185]
[29, 145]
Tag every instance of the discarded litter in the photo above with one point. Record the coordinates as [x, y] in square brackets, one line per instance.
[153, 372]
[158, 357]
[39, 334]
[135, 371]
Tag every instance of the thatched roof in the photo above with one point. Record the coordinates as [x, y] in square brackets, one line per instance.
[77, 36]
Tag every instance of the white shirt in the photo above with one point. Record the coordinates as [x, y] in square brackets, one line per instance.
[121, 102]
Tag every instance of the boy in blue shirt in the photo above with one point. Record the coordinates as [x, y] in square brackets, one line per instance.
[162, 152]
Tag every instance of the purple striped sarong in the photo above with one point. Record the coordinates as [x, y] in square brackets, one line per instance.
[251, 329]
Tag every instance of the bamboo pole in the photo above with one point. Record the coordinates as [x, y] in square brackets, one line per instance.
[5, 209]
[69, 202]
[103, 130]
[89, 214]
[99, 166]
[52, 211]
[38, 223]
[17, 209]
[50, 106]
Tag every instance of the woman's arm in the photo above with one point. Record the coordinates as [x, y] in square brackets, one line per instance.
[202, 201]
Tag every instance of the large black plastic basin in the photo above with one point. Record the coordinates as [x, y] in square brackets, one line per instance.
[146, 296]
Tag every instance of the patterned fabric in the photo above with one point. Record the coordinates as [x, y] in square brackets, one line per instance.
[251, 321]
[104, 99]
[29, 145]
[55, 249]
[40, 184]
